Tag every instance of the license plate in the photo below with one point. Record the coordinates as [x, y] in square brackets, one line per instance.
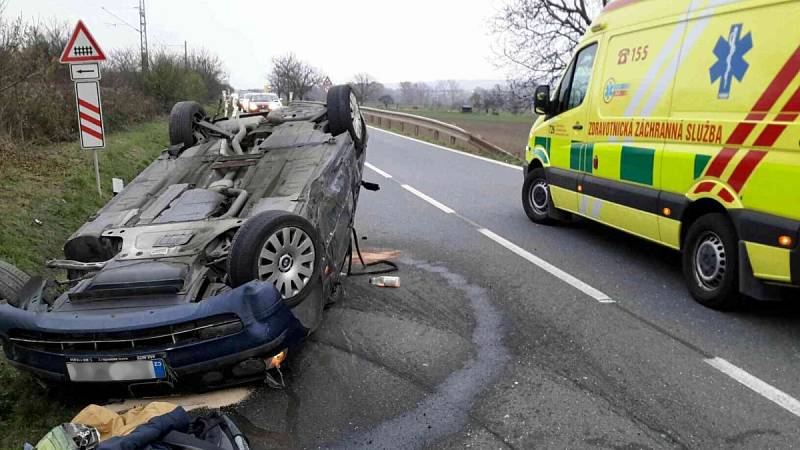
[151, 369]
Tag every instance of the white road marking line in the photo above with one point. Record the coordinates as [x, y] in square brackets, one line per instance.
[433, 202]
[378, 171]
[499, 163]
[761, 387]
[553, 270]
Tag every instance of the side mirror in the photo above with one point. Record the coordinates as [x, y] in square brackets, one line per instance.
[541, 100]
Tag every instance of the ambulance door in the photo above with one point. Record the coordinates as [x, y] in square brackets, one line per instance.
[629, 125]
[567, 129]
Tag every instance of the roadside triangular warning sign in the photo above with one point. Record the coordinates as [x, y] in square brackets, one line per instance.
[82, 47]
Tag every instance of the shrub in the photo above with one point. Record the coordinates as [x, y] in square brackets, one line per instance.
[39, 107]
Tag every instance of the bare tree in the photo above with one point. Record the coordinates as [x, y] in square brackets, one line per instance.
[496, 99]
[423, 94]
[386, 100]
[454, 93]
[365, 87]
[291, 75]
[537, 37]
[478, 99]
[407, 93]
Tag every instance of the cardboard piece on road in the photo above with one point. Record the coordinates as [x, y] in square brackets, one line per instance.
[210, 400]
[82, 47]
[90, 114]
[84, 71]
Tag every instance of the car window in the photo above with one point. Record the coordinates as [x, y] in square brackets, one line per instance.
[581, 77]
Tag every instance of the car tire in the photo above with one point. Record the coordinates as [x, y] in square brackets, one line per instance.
[12, 281]
[280, 248]
[344, 115]
[536, 199]
[182, 120]
[710, 262]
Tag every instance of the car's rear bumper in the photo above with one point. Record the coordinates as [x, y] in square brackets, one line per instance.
[48, 340]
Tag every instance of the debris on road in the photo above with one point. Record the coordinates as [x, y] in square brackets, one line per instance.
[155, 425]
[387, 282]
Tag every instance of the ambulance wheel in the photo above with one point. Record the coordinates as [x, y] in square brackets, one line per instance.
[710, 262]
[536, 198]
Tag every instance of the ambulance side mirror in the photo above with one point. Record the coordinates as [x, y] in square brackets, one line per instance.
[541, 100]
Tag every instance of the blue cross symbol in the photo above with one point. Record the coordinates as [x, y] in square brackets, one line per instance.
[730, 59]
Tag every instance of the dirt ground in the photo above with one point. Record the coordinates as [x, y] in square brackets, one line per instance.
[509, 136]
[508, 131]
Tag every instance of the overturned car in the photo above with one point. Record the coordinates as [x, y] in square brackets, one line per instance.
[211, 265]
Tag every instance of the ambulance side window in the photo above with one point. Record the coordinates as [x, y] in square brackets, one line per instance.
[575, 83]
[583, 73]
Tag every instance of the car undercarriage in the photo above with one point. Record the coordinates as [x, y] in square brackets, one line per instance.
[212, 264]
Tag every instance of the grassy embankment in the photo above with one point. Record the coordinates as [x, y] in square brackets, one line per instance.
[55, 185]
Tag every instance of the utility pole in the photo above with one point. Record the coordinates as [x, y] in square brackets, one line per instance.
[143, 37]
[185, 55]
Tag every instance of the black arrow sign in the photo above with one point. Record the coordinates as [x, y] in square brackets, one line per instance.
[85, 71]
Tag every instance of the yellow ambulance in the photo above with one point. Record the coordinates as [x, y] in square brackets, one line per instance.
[676, 121]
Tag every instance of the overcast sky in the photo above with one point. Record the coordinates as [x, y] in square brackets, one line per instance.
[417, 40]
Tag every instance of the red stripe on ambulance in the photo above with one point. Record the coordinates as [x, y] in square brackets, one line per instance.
[770, 134]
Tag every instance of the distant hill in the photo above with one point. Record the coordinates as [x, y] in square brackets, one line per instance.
[467, 85]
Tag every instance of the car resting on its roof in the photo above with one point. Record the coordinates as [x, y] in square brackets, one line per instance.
[211, 265]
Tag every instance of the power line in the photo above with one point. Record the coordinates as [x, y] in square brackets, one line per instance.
[142, 30]
[120, 19]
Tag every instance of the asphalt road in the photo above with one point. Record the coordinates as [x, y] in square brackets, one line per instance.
[507, 334]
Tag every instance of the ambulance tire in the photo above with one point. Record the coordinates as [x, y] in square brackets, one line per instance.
[710, 262]
[536, 198]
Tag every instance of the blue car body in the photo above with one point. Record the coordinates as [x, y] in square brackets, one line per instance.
[43, 343]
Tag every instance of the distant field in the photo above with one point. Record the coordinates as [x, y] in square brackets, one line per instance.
[506, 130]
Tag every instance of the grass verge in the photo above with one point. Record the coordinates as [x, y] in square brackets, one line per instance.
[48, 193]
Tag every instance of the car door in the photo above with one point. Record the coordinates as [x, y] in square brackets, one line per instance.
[569, 156]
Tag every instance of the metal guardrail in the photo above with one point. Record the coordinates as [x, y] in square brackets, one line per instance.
[433, 130]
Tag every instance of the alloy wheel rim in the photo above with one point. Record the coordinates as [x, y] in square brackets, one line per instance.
[287, 260]
[710, 261]
[355, 116]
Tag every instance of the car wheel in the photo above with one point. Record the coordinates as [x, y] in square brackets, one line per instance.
[344, 115]
[182, 120]
[278, 248]
[12, 281]
[536, 198]
[710, 262]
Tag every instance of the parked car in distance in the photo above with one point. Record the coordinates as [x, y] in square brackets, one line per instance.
[244, 101]
[263, 102]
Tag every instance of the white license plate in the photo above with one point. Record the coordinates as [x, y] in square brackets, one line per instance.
[102, 371]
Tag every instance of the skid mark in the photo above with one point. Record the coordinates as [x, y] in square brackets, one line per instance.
[446, 410]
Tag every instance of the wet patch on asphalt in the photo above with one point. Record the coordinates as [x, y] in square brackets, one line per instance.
[446, 410]
[388, 368]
